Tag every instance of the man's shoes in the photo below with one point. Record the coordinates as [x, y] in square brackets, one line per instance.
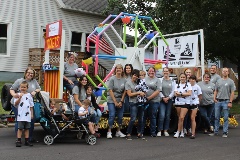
[27, 143]
[120, 134]
[166, 134]
[213, 134]
[129, 138]
[140, 136]
[18, 144]
[109, 135]
[159, 134]
[224, 135]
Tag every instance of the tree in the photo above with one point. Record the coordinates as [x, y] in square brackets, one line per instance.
[220, 20]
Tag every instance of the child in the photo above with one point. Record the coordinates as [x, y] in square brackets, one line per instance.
[83, 114]
[25, 113]
[143, 88]
[55, 111]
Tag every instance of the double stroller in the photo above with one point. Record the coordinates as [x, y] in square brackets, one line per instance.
[56, 126]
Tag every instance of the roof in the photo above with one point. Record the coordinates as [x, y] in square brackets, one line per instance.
[87, 6]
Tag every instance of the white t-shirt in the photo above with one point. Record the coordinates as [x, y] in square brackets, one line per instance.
[196, 91]
[182, 88]
[82, 110]
[24, 112]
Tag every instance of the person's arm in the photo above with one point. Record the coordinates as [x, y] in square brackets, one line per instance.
[18, 100]
[131, 94]
[189, 92]
[154, 94]
[31, 109]
[75, 96]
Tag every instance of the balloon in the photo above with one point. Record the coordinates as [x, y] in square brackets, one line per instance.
[158, 66]
[88, 61]
[126, 20]
[150, 35]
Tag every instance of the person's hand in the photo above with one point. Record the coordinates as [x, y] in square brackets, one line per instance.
[142, 94]
[165, 99]
[20, 96]
[229, 105]
[178, 94]
[70, 82]
[120, 104]
[86, 112]
[216, 101]
[16, 95]
[116, 104]
[33, 93]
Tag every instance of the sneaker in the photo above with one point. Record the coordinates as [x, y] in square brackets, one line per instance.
[129, 138]
[211, 129]
[120, 134]
[192, 137]
[213, 134]
[18, 144]
[166, 134]
[224, 135]
[140, 137]
[176, 135]
[185, 131]
[109, 135]
[159, 134]
[182, 135]
[28, 144]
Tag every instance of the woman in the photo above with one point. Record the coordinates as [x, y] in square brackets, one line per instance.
[94, 106]
[166, 103]
[79, 92]
[153, 97]
[69, 77]
[182, 91]
[207, 103]
[194, 102]
[33, 88]
[128, 75]
[135, 109]
[115, 98]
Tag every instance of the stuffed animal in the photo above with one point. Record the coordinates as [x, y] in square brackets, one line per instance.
[79, 72]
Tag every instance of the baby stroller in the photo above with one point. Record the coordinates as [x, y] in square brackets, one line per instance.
[55, 125]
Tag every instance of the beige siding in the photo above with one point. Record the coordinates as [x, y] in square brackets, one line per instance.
[27, 16]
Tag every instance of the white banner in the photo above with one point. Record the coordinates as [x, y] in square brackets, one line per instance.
[183, 51]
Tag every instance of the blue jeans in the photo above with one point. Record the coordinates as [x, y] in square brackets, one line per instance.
[151, 112]
[135, 110]
[97, 115]
[212, 119]
[112, 111]
[69, 86]
[219, 107]
[126, 104]
[206, 113]
[15, 111]
[164, 113]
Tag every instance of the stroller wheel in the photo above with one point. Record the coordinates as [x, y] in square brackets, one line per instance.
[91, 139]
[48, 139]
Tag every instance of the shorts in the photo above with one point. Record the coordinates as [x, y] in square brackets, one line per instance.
[183, 106]
[24, 125]
[194, 106]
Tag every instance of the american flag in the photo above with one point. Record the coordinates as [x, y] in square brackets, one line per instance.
[103, 44]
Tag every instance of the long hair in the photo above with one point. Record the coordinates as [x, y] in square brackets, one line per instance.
[178, 85]
[125, 69]
[80, 84]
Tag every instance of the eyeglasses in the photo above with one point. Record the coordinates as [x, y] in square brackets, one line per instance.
[30, 73]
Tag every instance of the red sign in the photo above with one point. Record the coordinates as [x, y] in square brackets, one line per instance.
[53, 35]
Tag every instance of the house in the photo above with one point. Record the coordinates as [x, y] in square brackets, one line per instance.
[22, 26]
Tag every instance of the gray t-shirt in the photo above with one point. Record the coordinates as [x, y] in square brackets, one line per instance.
[207, 92]
[81, 94]
[154, 84]
[224, 88]
[32, 85]
[69, 71]
[214, 78]
[168, 87]
[130, 85]
[117, 85]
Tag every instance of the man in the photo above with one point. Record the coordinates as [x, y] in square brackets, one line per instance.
[223, 97]
[214, 75]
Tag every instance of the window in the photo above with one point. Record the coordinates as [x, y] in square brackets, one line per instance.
[78, 42]
[5, 38]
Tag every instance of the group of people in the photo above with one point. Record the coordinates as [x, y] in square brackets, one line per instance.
[145, 97]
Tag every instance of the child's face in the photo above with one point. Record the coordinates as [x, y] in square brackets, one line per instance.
[52, 104]
[89, 91]
[23, 88]
[142, 75]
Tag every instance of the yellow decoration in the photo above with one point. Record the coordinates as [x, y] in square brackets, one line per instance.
[231, 121]
[158, 66]
[88, 61]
